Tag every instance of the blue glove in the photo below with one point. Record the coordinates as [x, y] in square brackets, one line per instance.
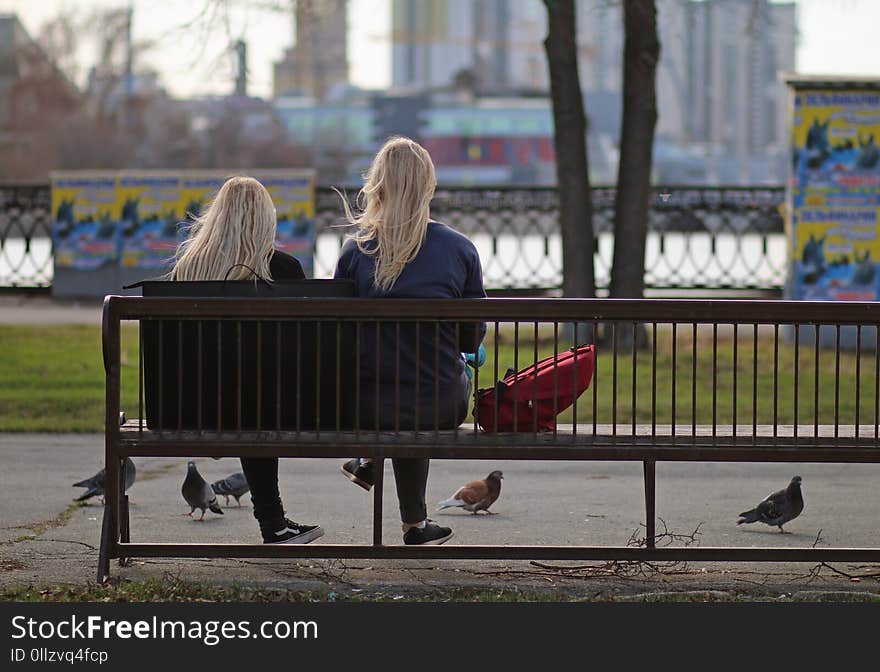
[475, 360]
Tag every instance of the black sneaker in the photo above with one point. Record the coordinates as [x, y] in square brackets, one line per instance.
[359, 471]
[431, 534]
[293, 533]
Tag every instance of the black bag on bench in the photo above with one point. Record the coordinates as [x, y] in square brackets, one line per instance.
[203, 374]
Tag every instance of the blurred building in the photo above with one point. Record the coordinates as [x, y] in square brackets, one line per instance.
[717, 82]
[318, 61]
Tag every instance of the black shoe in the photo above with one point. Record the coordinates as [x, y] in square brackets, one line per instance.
[359, 471]
[293, 533]
[431, 534]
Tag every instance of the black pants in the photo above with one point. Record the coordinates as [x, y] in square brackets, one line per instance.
[262, 477]
[411, 477]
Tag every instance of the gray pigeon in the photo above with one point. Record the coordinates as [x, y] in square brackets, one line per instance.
[95, 485]
[197, 493]
[476, 496]
[779, 508]
[234, 485]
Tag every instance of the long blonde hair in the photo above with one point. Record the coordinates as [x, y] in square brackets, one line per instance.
[395, 208]
[238, 227]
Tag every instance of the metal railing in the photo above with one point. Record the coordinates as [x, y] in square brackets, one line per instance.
[673, 380]
[727, 239]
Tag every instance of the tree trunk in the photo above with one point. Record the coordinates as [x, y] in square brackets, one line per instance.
[570, 143]
[640, 56]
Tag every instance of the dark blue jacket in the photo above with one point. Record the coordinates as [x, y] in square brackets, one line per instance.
[447, 266]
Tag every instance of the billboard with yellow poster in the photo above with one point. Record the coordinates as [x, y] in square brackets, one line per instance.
[150, 218]
[293, 193]
[834, 190]
[84, 217]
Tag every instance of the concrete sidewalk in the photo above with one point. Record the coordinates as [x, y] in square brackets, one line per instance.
[43, 310]
[44, 540]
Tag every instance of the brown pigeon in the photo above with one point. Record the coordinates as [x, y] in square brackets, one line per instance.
[477, 495]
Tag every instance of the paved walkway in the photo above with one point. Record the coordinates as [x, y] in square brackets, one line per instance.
[45, 541]
[41, 310]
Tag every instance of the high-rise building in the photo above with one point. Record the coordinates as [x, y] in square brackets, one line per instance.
[318, 60]
[717, 80]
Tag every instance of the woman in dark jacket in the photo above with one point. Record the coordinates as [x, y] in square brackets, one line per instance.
[399, 252]
[233, 239]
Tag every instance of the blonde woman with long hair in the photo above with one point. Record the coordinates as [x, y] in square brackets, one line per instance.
[398, 251]
[234, 239]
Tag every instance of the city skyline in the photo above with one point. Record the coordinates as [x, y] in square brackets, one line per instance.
[834, 38]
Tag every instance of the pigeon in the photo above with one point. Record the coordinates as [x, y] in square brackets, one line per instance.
[95, 485]
[779, 508]
[476, 496]
[234, 485]
[197, 493]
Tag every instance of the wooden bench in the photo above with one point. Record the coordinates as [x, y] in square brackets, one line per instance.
[668, 325]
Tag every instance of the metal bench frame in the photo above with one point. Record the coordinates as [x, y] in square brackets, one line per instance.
[646, 443]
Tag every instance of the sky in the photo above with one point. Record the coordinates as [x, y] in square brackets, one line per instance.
[836, 37]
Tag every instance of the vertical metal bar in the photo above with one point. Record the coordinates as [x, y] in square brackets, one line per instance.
[278, 373]
[318, 342]
[219, 376]
[456, 400]
[259, 375]
[378, 378]
[634, 378]
[754, 381]
[816, 385]
[836, 380]
[418, 399]
[694, 383]
[476, 390]
[397, 378]
[654, 379]
[797, 366]
[299, 399]
[495, 378]
[775, 380]
[338, 377]
[574, 405]
[141, 380]
[378, 487]
[436, 379]
[595, 374]
[714, 380]
[238, 380]
[614, 379]
[199, 374]
[160, 396]
[535, 388]
[674, 371]
[515, 377]
[858, 375]
[735, 371]
[111, 342]
[556, 378]
[876, 381]
[179, 375]
[357, 380]
[650, 503]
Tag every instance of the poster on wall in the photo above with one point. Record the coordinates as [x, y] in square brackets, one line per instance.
[293, 193]
[84, 219]
[834, 192]
[150, 219]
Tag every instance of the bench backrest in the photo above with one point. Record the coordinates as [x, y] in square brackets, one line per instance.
[231, 375]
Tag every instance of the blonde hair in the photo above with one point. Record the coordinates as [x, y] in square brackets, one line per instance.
[395, 208]
[238, 227]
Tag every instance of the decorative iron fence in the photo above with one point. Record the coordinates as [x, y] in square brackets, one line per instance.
[699, 238]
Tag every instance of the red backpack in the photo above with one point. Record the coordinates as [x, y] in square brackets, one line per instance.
[517, 397]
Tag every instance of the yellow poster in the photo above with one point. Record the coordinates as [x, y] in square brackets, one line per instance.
[150, 218]
[84, 219]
